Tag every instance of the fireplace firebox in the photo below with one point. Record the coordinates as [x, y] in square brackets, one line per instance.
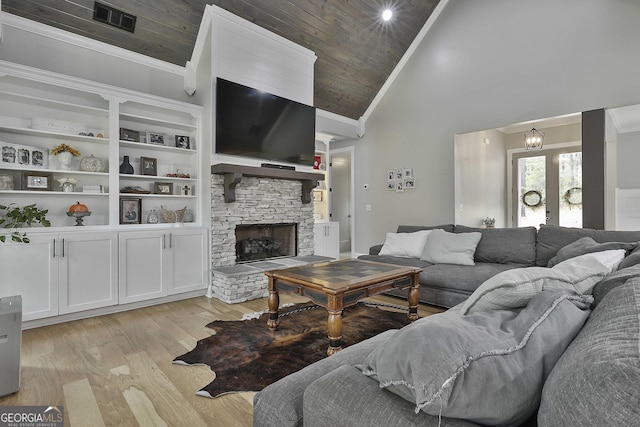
[257, 242]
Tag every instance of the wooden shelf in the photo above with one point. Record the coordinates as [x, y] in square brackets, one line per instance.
[233, 174]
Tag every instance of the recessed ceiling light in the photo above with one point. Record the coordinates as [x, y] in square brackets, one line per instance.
[387, 14]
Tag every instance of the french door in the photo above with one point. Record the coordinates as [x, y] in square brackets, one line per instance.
[547, 187]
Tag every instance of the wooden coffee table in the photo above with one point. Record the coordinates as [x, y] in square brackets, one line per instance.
[340, 284]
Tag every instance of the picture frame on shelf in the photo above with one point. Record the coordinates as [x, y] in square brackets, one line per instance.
[130, 210]
[186, 190]
[183, 141]
[164, 188]
[155, 138]
[129, 135]
[23, 156]
[149, 166]
[37, 181]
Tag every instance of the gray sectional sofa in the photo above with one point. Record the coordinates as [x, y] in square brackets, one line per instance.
[499, 249]
[563, 359]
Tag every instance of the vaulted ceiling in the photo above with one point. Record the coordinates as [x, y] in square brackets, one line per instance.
[356, 50]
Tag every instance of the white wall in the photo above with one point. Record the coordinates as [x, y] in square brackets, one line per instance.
[628, 154]
[481, 67]
[480, 178]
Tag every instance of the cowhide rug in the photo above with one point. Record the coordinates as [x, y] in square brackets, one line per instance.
[246, 356]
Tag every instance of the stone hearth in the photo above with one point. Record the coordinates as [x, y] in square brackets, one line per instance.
[258, 200]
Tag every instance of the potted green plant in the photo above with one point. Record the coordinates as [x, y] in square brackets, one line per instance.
[14, 217]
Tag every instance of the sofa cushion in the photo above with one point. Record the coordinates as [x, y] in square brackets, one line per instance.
[489, 367]
[462, 277]
[405, 245]
[504, 245]
[443, 247]
[345, 397]
[552, 237]
[514, 288]
[280, 404]
[613, 280]
[414, 228]
[586, 245]
[595, 382]
[412, 262]
[632, 259]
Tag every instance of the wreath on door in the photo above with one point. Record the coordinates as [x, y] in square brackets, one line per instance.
[532, 199]
[573, 196]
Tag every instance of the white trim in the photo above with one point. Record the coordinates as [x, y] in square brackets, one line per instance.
[104, 90]
[87, 43]
[352, 178]
[403, 61]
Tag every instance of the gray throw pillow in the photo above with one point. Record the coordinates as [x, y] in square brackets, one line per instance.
[450, 248]
[488, 367]
[587, 245]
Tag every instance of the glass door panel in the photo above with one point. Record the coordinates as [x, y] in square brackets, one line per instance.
[570, 189]
[531, 184]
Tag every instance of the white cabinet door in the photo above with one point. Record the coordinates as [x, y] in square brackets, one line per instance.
[187, 260]
[142, 274]
[31, 270]
[88, 271]
[326, 239]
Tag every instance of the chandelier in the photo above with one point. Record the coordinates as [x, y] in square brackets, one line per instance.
[533, 139]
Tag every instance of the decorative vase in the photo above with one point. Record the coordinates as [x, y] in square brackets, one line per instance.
[153, 218]
[92, 164]
[126, 167]
[65, 158]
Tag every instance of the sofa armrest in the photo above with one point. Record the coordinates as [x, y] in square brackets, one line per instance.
[375, 250]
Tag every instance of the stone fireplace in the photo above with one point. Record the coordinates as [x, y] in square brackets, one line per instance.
[257, 198]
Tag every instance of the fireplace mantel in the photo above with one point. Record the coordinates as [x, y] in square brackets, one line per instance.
[233, 174]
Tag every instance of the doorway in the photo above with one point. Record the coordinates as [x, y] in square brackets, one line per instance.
[341, 203]
[547, 187]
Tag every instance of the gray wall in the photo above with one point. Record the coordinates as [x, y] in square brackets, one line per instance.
[480, 67]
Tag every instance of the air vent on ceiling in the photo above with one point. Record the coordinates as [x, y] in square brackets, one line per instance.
[115, 17]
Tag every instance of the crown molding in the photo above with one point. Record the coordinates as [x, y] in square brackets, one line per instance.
[10, 20]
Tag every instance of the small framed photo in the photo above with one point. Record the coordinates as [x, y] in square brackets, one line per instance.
[409, 183]
[129, 135]
[407, 173]
[182, 141]
[391, 185]
[399, 186]
[130, 210]
[37, 181]
[398, 174]
[163, 188]
[155, 138]
[149, 166]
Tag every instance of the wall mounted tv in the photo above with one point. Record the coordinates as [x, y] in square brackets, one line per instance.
[256, 124]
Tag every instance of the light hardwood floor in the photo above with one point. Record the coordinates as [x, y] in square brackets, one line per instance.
[117, 369]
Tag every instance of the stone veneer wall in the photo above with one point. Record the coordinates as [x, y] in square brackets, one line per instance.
[258, 201]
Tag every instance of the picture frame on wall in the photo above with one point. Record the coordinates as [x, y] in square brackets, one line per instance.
[130, 210]
[149, 166]
[155, 138]
[182, 141]
[37, 181]
[129, 135]
[165, 188]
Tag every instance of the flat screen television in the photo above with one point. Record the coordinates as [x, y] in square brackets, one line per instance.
[257, 124]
